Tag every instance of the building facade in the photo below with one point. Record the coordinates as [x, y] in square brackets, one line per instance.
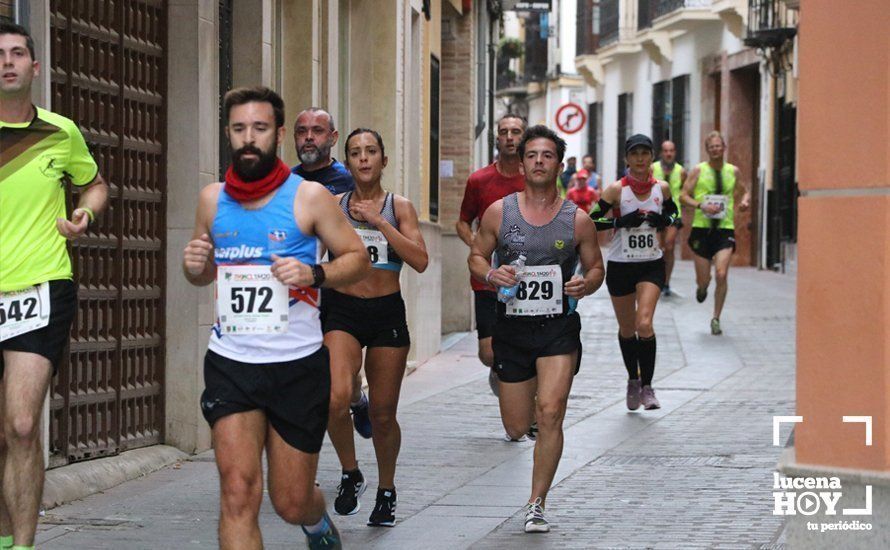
[545, 78]
[678, 69]
[144, 81]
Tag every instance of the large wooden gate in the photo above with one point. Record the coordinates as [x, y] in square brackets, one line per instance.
[108, 73]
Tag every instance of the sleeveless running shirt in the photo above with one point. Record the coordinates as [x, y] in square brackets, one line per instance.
[552, 244]
[383, 256]
[250, 237]
[707, 185]
[675, 180]
[636, 244]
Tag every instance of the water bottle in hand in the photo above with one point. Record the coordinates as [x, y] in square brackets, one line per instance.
[507, 293]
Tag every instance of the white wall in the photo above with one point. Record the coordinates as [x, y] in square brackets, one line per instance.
[568, 15]
[636, 73]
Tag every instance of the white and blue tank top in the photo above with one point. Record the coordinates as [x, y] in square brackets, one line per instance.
[250, 237]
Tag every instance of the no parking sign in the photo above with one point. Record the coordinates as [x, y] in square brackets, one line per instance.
[570, 118]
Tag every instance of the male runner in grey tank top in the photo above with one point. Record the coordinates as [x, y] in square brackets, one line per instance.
[537, 334]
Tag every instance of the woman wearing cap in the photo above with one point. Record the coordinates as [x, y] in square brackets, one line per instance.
[635, 270]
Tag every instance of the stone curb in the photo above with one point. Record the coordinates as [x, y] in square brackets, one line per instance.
[83, 479]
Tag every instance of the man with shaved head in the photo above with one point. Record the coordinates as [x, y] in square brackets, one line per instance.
[315, 137]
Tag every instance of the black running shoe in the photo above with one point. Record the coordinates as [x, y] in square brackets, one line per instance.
[352, 485]
[361, 417]
[328, 539]
[384, 514]
[701, 294]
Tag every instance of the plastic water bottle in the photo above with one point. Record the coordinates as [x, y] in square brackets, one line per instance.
[571, 301]
[507, 293]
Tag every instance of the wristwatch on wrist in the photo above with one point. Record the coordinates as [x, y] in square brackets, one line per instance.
[317, 276]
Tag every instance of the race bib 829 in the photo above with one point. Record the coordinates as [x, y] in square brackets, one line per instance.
[540, 291]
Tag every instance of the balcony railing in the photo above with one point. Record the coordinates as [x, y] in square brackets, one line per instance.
[770, 24]
[664, 7]
[609, 21]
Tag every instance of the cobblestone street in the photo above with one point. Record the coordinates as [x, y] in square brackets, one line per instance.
[695, 474]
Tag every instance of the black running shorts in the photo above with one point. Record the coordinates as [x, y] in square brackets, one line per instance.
[486, 303]
[49, 341]
[518, 343]
[707, 242]
[374, 322]
[622, 277]
[294, 395]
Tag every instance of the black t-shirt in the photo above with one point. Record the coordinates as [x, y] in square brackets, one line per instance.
[335, 177]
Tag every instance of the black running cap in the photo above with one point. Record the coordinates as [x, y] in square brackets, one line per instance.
[638, 140]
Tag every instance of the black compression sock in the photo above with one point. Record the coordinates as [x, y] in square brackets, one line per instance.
[629, 352]
[646, 351]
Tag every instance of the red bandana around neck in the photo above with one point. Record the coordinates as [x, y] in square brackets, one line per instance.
[637, 186]
[245, 191]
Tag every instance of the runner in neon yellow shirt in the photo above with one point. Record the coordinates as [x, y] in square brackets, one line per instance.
[710, 190]
[668, 169]
[39, 153]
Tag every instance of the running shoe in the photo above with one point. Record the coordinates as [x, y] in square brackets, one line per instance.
[532, 431]
[329, 539]
[633, 394]
[493, 383]
[509, 439]
[384, 514]
[360, 417]
[701, 294]
[715, 327]
[352, 486]
[534, 518]
[647, 396]
[666, 291]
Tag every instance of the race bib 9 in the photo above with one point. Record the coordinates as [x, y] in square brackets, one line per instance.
[639, 243]
[376, 245]
[24, 310]
[720, 201]
[540, 291]
[250, 300]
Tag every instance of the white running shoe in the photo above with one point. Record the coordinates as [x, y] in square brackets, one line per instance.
[534, 518]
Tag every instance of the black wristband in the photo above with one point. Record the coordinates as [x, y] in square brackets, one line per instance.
[317, 276]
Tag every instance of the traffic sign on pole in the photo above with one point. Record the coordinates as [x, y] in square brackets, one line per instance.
[570, 118]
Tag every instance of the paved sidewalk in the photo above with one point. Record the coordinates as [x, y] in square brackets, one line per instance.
[695, 474]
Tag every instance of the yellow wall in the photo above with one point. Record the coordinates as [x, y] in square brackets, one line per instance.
[297, 66]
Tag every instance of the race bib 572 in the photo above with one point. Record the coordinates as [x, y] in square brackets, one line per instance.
[250, 300]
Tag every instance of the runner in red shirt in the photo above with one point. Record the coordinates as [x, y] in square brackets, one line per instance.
[484, 187]
[582, 194]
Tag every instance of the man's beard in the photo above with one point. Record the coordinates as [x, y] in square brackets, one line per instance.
[322, 151]
[253, 170]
